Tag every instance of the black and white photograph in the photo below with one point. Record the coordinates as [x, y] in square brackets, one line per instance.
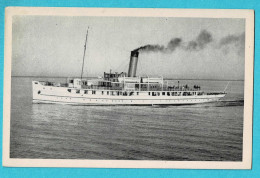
[121, 86]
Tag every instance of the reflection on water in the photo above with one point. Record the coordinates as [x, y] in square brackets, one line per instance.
[211, 131]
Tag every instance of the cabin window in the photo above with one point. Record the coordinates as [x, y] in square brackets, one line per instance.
[118, 93]
[149, 93]
[107, 92]
[85, 91]
[153, 93]
[36, 83]
[102, 92]
[69, 90]
[163, 93]
[168, 94]
[77, 91]
[158, 93]
[93, 92]
[39, 92]
[137, 93]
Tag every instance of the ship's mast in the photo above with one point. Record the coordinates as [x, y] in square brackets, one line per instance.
[84, 54]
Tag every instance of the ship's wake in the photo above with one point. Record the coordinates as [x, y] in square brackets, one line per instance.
[227, 103]
[221, 103]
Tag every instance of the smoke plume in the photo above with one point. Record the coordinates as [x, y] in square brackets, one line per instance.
[199, 43]
[171, 46]
[237, 40]
[232, 39]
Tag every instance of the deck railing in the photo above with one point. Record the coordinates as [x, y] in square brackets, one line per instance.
[94, 87]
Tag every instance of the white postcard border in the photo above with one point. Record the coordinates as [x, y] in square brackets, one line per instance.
[201, 13]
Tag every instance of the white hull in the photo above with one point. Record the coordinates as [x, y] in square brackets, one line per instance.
[61, 95]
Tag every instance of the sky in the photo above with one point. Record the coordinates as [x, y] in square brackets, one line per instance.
[178, 48]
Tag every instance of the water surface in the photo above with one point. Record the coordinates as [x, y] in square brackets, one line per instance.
[202, 132]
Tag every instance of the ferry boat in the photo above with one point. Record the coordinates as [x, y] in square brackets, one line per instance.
[120, 88]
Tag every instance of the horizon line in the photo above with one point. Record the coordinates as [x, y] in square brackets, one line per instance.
[164, 78]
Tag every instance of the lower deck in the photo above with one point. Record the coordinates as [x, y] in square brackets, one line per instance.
[87, 101]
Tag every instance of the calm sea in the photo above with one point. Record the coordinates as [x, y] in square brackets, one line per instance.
[201, 132]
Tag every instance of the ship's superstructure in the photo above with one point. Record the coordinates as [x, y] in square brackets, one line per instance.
[120, 89]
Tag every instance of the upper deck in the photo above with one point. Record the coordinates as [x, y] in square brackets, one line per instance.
[119, 82]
